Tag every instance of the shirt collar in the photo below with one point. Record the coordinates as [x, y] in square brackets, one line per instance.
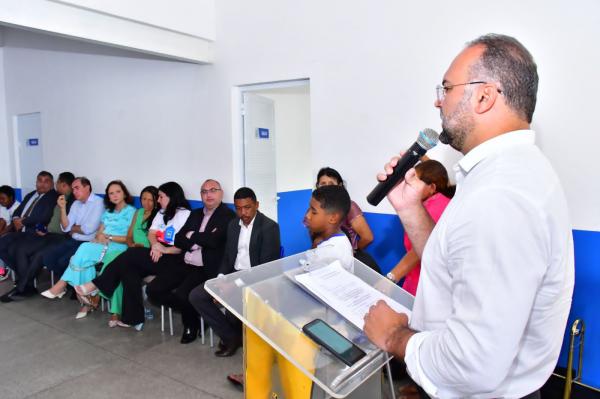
[492, 146]
[250, 224]
[208, 212]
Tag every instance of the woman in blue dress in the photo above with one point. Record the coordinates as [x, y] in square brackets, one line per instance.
[111, 236]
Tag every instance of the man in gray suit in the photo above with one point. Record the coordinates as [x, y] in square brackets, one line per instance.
[252, 239]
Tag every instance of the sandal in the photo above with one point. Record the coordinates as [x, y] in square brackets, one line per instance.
[114, 321]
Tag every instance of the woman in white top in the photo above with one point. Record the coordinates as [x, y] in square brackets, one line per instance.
[134, 264]
[8, 204]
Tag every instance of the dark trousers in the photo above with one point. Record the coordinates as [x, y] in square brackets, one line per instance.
[172, 288]
[130, 268]
[56, 257]
[226, 326]
[27, 254]
[6, 242]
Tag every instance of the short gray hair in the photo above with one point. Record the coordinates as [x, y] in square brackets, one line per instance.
[506, 61]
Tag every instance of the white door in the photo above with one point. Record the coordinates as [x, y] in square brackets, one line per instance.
[259, 151]
[28, 150]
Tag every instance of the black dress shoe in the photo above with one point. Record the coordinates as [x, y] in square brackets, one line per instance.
[8, 297]
[189, 335]
[229, 349]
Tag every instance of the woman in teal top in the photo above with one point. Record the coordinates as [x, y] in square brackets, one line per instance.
[111, 236]
[137, 236]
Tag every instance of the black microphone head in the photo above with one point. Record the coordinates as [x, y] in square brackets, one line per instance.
[444, 138]
[428, 138]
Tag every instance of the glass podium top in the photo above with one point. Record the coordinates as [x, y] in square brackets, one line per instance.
[267, 300]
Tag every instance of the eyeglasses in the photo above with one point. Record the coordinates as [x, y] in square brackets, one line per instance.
[441, 90]
[210, 190]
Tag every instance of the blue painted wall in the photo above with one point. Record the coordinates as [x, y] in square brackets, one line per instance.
[586, 303]
[291, 207]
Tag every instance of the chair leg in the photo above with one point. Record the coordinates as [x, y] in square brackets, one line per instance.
[52, 278]
[171, 321]
[35, 282]
[102, 304]
[162, 318]
[201, 330]
[210, 332]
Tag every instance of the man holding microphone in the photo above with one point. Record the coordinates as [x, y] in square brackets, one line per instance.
[497, 270]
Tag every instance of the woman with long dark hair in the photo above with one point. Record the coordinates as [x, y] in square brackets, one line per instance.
[111, 236]
[133, 265]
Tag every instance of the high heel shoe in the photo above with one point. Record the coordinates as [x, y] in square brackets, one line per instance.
[81, 315]
[113, 322]
[48, 294]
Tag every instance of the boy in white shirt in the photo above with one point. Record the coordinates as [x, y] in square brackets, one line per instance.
[327, 209]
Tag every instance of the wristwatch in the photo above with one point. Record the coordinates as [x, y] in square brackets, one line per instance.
[110, 238]
[391, 276]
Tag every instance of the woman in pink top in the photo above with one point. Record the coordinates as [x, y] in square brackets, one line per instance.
[435, 200]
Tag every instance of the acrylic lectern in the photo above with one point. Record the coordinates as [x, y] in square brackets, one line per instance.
[273, 309]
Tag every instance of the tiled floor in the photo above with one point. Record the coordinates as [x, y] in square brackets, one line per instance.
[46, 353]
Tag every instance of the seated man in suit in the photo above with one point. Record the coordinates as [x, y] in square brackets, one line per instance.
[202, 242]
[252, 239]
[34, 210]
[27, 251]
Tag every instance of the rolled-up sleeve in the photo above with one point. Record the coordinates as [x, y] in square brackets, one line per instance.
[496, 258]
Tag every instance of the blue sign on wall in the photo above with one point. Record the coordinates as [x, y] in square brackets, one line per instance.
[33, 142]
[263, 133]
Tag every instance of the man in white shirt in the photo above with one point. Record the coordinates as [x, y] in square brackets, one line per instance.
[81, 223]
[497, 270]
[252, 239]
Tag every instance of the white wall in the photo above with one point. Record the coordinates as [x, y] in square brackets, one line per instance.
[292, 129]
[5, 161]
[110, 114]
[192, 17]
[163, 28]
[372, 66]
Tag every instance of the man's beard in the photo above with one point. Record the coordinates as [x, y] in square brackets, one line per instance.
[458, 125]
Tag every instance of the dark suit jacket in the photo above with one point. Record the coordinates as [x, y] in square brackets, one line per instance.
[265, 244]
[42, 211]
[212, 240]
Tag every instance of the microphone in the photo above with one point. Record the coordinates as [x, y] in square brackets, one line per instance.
[427, 139]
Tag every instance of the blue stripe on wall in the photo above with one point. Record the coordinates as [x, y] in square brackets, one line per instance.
[291, 208]
[585, 304]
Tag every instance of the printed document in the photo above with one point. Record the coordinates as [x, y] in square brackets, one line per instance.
[350, 296]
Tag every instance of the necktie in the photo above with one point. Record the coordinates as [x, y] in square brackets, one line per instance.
[30, 209]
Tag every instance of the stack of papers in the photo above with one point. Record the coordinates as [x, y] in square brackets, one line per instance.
[350, 296]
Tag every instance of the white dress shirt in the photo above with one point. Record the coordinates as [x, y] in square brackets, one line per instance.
[87, 215]
[496, 277]
[6, 213]
[242, 260]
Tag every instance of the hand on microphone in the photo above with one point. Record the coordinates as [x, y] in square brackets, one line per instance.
[409, 193]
